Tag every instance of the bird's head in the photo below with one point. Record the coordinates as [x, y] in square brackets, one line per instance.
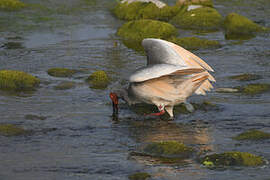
[114, 99]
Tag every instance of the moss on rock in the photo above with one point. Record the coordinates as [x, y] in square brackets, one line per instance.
[12, 130]
[194, 43]
[17, 81]
[133, 32]
[253, 135]
[144, 10]
[233, 158]
[246, 77]
[201, 19]
[139, 176]
[240, 27]
[64, 86]
[11, 5]
[195, 2]
[253, 89]
[61, 72]
[98, 80]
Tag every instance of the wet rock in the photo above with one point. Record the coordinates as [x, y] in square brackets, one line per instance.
[253, 135]
[34, 117]
[233, 158]
[98, 80]
[12, 130]
[158, 3]
[61, 72]
[144, 10]
[133, 32]
[17, 81]
[240, 27]
[246, 77]
[11, 5]
[204, 106]
[139, 176]
[201, 19]
[13, 45]
[253, 89]
[64, 86]
[194, 43]
[227, 90]
[195, 2]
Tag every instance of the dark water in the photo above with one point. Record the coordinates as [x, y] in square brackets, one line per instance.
[78, 139]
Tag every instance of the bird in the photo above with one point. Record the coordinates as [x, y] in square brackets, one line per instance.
[171, 75]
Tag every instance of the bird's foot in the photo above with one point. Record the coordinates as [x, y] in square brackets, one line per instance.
[156, 114]
[189, 107]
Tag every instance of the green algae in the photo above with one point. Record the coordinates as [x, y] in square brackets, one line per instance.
[139, 176]
[144, 10]
[246, 77]
[11, 80]
[133, 32]
[98, 80]
[240, 27]
[252, 135]
[233, 158]
[253, 89]
[12, 130]
[201, 19]
[11, 5]
[64, 86]
[61, 72]
[194, 43]
[208, 3]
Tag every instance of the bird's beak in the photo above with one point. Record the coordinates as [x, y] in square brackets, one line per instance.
[114, 99]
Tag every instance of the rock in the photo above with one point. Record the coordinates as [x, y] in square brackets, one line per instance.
[144, 10]
[227, 90]
[158, 3]
[253, 89]
[11, 5]
[34, 117]
[98, 80]
[233, 158]
[246, 77]
[240, 27]
[204, 106]
[194, 43]
[139, 176]
[200, 2]
[17, 81]
[252, 135]
[133, 32]
[201, 19]
[12, 130]
[61, 72]
[64, 86]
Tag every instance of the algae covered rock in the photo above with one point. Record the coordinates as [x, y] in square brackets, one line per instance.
[11, 5]
[61, 72]
[195, 2]
[201, 19]
[12, 130]
[240, 27]
[133, 32]
[17, 81]
[64, 86]
[98, 80]
[144, 10]
[233, 158]
[139, 176]
[194, 43]
[253, 89]
[246, 77]
[253, 135]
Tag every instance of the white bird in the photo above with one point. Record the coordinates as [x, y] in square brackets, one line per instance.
[172, 75]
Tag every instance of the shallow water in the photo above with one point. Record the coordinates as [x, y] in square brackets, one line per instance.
[79, 139]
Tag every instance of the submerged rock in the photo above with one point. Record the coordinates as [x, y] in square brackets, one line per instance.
[144, 10]
[98, 80]
[201, 19]
[61, 72]
[233, 158]
[34, 117]
[194, 43]
[133, 32]
[139, 176]
[246, 77]
[196, 2]
[64, 86]
[253, 89]
[240, 27]
[204, 106]
[253, 135]
[12, 130]
[17, 81]
[11, 5]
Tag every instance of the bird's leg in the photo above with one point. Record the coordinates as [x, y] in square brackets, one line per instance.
[161, 111]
